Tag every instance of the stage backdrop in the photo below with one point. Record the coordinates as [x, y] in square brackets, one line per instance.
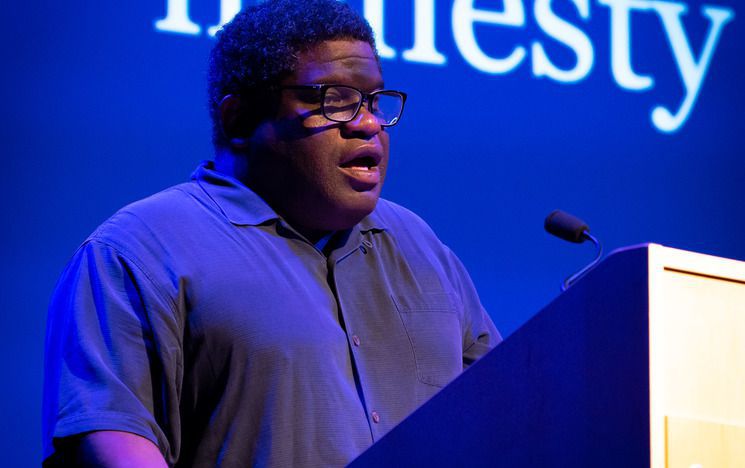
[628, 113]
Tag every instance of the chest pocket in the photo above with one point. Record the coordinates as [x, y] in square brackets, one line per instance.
[433, 327]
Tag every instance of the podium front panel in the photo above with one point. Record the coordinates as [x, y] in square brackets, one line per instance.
[697, 359]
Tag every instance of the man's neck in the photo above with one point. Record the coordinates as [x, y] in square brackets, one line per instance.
[313, 236]
[231, 165]
[238, 167]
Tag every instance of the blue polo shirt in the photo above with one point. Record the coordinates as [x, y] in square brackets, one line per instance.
[199, 319]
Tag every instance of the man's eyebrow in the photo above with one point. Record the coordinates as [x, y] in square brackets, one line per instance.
[335, 80]
[361, 56]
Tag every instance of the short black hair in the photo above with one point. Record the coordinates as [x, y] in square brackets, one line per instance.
[260, 46]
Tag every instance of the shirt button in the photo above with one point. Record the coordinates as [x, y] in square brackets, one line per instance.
[375, 417]
[356, 340]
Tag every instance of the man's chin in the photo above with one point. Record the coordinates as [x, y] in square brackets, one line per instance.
[350, 214]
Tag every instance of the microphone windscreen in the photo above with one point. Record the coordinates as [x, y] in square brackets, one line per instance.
[565, 226]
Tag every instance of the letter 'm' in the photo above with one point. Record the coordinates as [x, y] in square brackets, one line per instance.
[424, 50]
[177, 19]
[228, 9]
[374, 13]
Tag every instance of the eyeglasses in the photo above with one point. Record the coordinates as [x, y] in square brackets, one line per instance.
[340, 103]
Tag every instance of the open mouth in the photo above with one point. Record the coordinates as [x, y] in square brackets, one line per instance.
[363, 163]
[363, 171]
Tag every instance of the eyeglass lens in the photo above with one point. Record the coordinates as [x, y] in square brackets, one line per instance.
[341, 104]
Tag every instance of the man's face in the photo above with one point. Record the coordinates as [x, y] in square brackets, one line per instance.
[323, 175]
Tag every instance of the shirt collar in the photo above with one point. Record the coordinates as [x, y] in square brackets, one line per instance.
[243, 207]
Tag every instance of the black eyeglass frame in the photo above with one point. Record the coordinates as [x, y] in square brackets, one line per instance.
[366, 97]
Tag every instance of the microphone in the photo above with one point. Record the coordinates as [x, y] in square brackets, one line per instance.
[572, 229]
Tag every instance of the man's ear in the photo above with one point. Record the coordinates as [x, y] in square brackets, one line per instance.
[235, 125]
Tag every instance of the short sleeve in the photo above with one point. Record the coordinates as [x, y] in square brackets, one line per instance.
[113, 353]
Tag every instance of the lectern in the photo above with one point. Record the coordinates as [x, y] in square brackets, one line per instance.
[641, 363]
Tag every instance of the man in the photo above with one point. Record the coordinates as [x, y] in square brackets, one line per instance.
[272, 311]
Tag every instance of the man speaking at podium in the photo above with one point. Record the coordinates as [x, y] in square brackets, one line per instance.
[273, 311]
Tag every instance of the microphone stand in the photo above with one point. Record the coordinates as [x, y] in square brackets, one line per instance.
[598, 253]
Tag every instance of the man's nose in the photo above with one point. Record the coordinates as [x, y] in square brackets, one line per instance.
[365, 124]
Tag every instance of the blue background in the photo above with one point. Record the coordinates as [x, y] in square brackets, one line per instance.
[100, 109]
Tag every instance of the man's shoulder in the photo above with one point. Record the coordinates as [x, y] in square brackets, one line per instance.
[156, 216]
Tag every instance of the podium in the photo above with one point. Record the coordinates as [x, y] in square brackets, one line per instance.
[641, 363]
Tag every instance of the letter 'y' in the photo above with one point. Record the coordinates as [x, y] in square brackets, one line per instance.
[692, 71]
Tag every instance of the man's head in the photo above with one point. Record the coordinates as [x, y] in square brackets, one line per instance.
[320, 168]
[260, 47]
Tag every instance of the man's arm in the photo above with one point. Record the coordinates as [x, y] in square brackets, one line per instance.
[115, 449]
[108, 351]
[480, 334]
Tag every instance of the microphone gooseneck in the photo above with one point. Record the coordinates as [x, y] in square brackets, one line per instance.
[570, 228]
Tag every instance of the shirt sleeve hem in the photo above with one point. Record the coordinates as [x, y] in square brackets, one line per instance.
[105, 421]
